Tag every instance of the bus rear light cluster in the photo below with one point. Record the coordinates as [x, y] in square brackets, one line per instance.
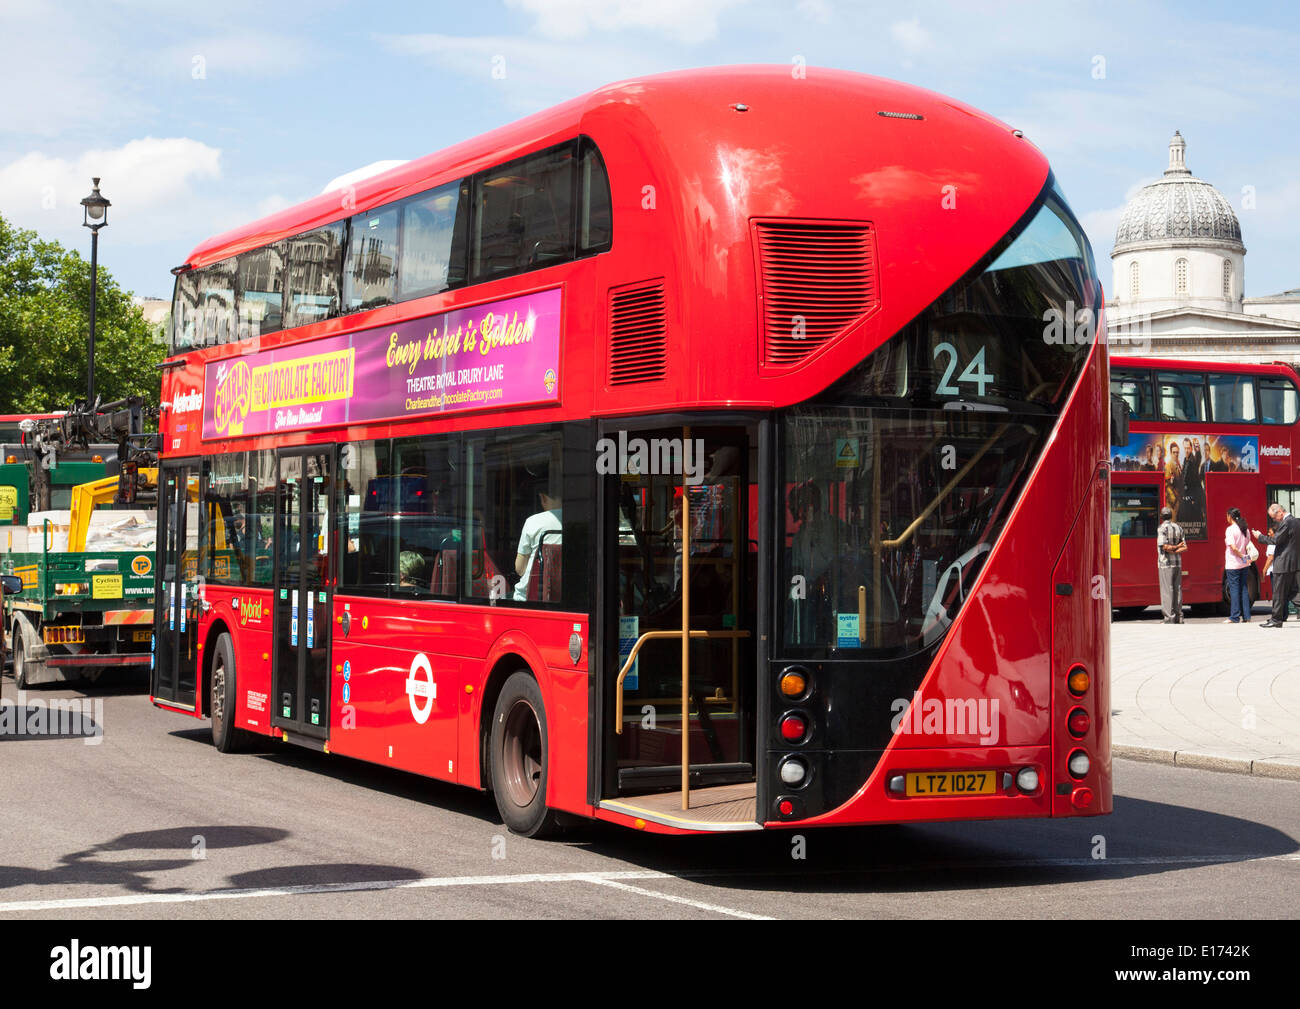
[794, 727]
[793, 772]
[1078, 723]
[794, 683]
[1079, 681]
[1079, 764]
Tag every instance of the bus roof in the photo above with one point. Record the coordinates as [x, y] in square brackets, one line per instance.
[665, 108]
[1172, 364]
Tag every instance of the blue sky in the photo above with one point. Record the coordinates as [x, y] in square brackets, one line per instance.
[201, 117]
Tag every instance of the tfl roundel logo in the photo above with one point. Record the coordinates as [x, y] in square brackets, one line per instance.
[141, 565]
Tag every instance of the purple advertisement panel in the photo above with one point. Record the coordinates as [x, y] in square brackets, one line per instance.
[505, 353]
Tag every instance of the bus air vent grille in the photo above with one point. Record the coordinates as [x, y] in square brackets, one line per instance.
[818, 278]
[638, 333]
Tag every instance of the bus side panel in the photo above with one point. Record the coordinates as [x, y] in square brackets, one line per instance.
[542, 640]
[393, 685]
[247, 614]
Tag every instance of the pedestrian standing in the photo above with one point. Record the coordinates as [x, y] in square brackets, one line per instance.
[1236, 566]
[1170, 546]
[1286, 561]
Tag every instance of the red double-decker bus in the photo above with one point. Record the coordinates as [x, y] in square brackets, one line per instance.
[1204, 437]
[702, 454]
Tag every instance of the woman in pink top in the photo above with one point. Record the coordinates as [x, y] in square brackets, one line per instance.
[1236, 561]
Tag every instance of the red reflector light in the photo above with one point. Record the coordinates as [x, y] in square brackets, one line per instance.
[1082, 798]
[786, 807]
[793, 728]
[1079, 723]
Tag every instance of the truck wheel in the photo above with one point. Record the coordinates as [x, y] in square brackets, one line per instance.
[26, 669]
[520, 753]
[225, 737]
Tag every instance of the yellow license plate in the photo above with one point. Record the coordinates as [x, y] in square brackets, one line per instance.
[929, 784]
[141, 635]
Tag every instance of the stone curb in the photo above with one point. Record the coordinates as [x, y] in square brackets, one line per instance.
[1287, 769]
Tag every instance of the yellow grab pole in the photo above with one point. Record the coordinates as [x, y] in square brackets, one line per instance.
[686, 637]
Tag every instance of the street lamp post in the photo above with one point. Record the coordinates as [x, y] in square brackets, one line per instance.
[96, 217]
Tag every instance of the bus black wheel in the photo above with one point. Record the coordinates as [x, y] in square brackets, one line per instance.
[225, 737]
[519, 752]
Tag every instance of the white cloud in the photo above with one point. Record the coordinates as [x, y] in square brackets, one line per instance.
[687, 21]
[911, 36]
[216, 57]
[149, 182]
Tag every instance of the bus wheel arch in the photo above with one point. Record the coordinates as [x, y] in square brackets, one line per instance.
[217, 628]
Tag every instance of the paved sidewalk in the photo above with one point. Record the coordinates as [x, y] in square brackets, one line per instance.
[1208, 694]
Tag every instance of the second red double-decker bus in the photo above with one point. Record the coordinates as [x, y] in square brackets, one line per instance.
[1204, 438]
[702, 454]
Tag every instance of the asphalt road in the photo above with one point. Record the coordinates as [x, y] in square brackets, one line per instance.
[112, 830]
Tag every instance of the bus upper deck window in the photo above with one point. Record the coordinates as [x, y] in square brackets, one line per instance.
[370, 274]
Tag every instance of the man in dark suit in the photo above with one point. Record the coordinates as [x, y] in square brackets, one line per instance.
[1286, 560]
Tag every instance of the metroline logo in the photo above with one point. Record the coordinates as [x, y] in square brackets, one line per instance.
[1282, 450]
[187, 402]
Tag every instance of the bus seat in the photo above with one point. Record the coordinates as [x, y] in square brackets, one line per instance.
[546, 585]
[445, 572]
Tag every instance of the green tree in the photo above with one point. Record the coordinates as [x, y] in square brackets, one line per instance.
[44, 322]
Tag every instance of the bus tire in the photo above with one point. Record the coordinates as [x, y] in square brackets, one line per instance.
[222, 687]
[520, 751]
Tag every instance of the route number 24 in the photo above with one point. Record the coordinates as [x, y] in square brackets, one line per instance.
[974, 372]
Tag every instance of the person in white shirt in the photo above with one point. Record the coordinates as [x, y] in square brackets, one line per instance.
[545, 523]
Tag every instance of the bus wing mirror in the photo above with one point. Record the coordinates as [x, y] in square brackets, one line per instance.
[1118, 420]
[11, 584]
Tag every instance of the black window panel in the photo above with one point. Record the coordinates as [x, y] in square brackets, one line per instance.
[239, 502]
[1181, 395]
[260, 291]
[523, 217]
[315, 274]
[365, 509]
[185, 323]
[434, 228]
[216, 285]
[1134, 388]
[370, 271]
[1134, 511]
[596, 215]
[514, 504]
[1279, 401]
[1232, 398]
[426, 521]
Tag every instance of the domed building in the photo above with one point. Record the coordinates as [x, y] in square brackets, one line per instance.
[1179, 278]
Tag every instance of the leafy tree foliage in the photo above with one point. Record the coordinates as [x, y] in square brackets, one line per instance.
[44, 322]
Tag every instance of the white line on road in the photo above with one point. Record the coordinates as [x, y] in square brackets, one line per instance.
[616, 880]
[129, 900]
[701, 905]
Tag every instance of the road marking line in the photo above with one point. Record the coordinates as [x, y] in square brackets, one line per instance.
[313, 888]
[614, 879]
[699, 904]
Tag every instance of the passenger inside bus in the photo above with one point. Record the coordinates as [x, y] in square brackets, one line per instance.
[541, 530]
